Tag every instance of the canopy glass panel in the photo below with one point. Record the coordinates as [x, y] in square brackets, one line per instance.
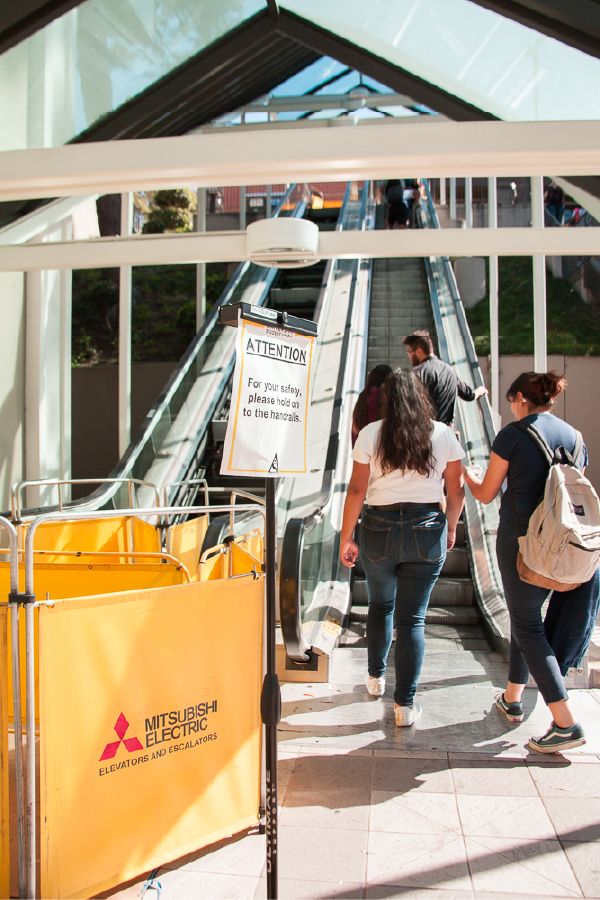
[85, 64]
[496, 64]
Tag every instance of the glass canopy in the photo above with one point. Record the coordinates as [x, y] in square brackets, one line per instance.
[88, 62]
[494, 63]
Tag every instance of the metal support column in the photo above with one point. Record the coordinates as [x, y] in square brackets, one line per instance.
[200, 267]
[493, 288]
[469, 202]
[442, 191]
[540, 338]
[269, 201]
[125, 332]
[453, 198]
[65, 360]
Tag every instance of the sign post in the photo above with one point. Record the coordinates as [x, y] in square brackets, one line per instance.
[267, 435]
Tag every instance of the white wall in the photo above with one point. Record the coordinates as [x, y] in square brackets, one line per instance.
[578, 404]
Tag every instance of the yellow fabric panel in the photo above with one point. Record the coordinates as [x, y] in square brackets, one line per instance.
[95, 534]
[80, 580]
[253, 543]
[163, 671]
[4, 835]
[243, 561]
[186, 542]
[214, 564]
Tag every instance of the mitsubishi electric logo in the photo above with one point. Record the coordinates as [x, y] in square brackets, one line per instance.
[131, 744]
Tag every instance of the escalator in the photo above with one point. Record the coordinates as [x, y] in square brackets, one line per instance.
[397, 297]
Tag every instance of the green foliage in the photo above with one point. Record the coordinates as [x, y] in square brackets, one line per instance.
[169, 211]
[179, 199]
[163, 316]
[573, 327]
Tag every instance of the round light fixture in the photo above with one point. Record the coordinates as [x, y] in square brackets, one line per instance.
[283, 243]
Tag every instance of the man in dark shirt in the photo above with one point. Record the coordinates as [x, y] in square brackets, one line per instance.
[439, 378]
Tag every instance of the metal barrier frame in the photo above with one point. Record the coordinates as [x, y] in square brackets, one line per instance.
[19, 486]
[28, 853]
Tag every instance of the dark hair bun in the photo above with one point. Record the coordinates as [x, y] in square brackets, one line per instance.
[540, 388]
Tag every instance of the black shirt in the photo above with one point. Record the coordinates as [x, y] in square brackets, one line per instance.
[527, 466]
[443, 385]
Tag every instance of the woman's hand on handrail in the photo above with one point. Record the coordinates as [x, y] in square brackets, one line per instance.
[487, 488]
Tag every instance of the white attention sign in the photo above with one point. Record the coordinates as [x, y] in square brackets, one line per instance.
[268, 418]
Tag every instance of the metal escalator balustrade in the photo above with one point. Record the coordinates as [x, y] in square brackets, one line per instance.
[173, 436]
[313, 586]
[476, 425]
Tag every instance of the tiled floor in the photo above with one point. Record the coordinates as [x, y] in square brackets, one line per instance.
[454, 807]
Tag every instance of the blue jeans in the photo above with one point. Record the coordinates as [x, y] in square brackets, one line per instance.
[402, 552]
[549, 648]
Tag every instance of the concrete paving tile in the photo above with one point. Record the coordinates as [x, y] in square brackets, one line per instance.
[575, 818]
[585, 861]
[130, 891]
[475, 755]
[238, 856]
[494, 816]
[285, 768]
[326, 750]
[323, 854]
[199, 885]
[392, 891]
[412, 754]
[494, 778]
[568, 780]
[348, 808]
[422, 860]
[404, 775]
[292, 889]
[416, 813]
[521, 866]
[325, 772]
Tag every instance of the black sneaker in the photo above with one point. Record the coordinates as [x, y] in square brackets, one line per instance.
[557, 739]
[512, 711]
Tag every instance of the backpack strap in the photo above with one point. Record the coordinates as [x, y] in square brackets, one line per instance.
[539, 440]
[578, 451]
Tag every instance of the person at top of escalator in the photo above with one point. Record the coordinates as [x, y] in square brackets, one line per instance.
[439, 378]
[368, 404]
[401, 464]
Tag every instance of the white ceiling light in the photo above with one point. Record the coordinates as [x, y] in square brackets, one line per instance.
[283, 243]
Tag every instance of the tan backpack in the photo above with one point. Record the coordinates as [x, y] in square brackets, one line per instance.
[561, 549]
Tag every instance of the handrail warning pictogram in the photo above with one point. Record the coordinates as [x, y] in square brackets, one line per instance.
[131, 744]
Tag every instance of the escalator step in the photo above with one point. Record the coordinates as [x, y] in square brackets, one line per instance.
[453, 591]
[436, 615]
[456, 562]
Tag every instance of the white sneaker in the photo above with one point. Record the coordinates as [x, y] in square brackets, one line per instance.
[406, 715]
[375, 686]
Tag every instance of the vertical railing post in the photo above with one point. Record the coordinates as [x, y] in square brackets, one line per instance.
[200, 267]
[540, 359]
[125, 273]
[493, 288]
[442, 191]
[242, 209]
[469, 202]
[453, 198]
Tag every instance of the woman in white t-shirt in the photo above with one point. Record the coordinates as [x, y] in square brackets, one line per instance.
[401, 464]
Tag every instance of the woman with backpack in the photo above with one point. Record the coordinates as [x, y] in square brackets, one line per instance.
[546, 648]
[401, 464]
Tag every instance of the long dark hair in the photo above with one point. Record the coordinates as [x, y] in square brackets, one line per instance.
[375, 378]
[540, 388]
[404, 440]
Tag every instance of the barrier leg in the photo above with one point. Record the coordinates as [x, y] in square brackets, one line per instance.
[30, 722]
[270, 704]
[20, 788]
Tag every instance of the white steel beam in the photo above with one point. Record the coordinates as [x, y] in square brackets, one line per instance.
[493, 290]
[540, 340]
[230, 246]
[446, 149]
[125, 296]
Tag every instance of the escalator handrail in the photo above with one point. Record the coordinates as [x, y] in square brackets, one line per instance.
[462, 324]
[104, 493]
[297, 527]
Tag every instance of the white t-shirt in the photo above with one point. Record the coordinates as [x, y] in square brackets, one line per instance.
[409, 486]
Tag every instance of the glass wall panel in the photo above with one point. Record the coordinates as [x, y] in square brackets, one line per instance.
[496, 64]
[61, 80]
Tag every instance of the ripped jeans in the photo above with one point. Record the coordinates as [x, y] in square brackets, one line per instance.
[402, 552]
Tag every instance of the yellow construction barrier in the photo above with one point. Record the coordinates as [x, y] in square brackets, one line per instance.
[4, 836]
[150, 728]
[242, 555]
